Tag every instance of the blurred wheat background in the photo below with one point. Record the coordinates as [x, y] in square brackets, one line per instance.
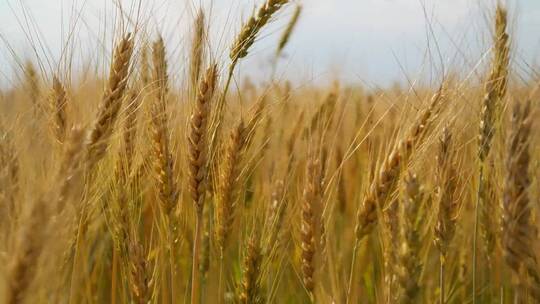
[210, 159]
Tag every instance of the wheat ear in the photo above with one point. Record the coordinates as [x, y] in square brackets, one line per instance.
[197, 140]
[198, 165]
[409, 252]
[30, 242]
[250, 289]
[197, 50]
[31, 82]
[239, 49]
[252, 27]
[162, 158]
[285, 37]
[445, 226]
[58, 102]
[9, 173]
[519, 231]
[228, 178]
[109, 107]
[494, 93]
[310, 234]
[138, 269]
[384, 184]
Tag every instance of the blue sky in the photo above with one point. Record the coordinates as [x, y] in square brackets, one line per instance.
[375, 42]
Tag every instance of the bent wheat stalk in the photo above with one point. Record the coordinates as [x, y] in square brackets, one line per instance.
[384, 183]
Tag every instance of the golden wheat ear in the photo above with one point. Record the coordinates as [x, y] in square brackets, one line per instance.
[197, 149]
[10, 172]
[252, 27]
[250, 286]
[197, 141]
[384, 183]
[29, 245]
[448, 204]
[285, 37]
[227, 183]
[197, 52]
[410, 267]
[519, 232]
[58, 104]
[32, 85]
[310, 233]
[239, 49]
[161, 154]
[103, 125]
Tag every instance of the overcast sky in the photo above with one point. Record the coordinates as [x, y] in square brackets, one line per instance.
[375, 42]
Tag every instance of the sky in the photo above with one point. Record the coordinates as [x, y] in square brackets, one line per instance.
[373, 42]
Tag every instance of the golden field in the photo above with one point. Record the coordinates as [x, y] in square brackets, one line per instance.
[129, 188]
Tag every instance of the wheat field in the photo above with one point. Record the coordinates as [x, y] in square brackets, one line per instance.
[125, 187]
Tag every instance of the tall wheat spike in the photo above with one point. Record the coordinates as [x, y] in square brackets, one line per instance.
[102, 127]
[384, 184]
[310, 224]
[495, 90]
[30, 242]
[278, 208]
[34, 230]
[58, 103]
[138, 270]
[448, 208]
[197, 149]
[250, 286]
[496, 83]
[285, 37]
[252, 27]
[31, 82]
[391, 241]
[162, 158]
[70, 166]
[145, 74]
[9, 174]
[239, 49]
[519, 232]
[197, 140]
[197, 49]
[228, 179]
[133, 102]
[410, 266]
